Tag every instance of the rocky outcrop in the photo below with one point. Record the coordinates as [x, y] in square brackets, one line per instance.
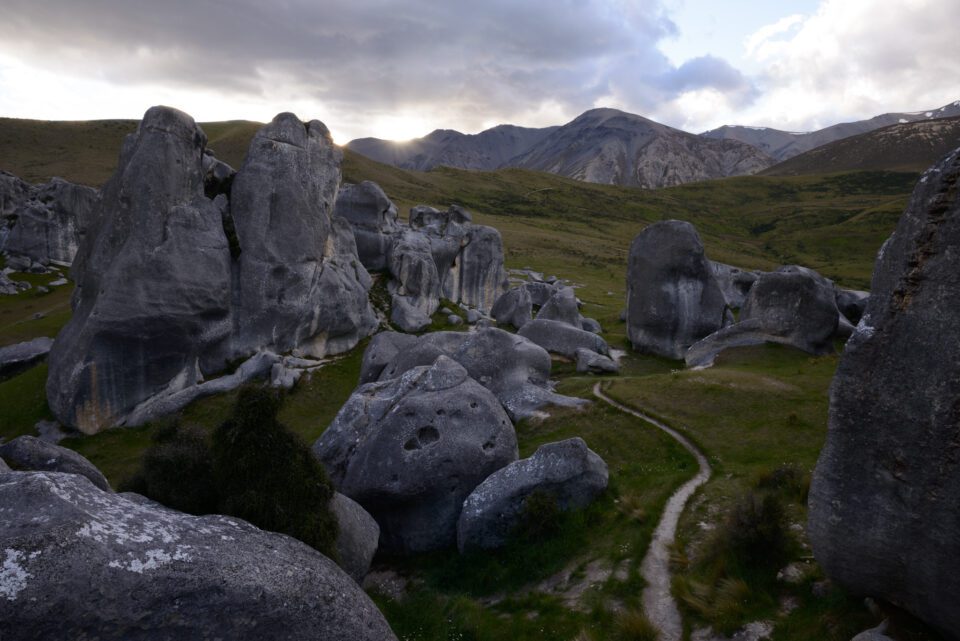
[358, 536]
[673, 299]
[415, 283]
[299, 285]
[373, 218]
[20, 356]
[883, 517]
[173, 285]
[82, 563]
[560, 338]
[514, 307]
[410, 450]
[51, 223]
[570, 472]
[792, 306]
[28, 453]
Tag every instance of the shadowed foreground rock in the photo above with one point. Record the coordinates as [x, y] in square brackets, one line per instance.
[28, 453]
[673, 299]
[82, 563]
[883, 515]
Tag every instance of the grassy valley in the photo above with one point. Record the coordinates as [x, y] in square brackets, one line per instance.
[760, 414]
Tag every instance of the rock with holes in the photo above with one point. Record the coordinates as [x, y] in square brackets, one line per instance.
[300, 285]
[568, 471]
[673, 299]
[51, 223]
[29, 453]
[21, 356]
[883, 518]
[152, 307]
[561, 338]
[373, 218]
[358, 536]
[513, 307]
[410, 449]
[80, 563]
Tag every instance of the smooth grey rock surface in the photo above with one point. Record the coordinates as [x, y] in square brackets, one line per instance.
[883, 519]
[590, 325]
[52, 221]
[410, 450]
[513, 307]
[563, 339]
[152, 302]
[358, 536]
[416, 284]
[382, 350]
[734, 282]
[82, 563]
[423, 351]
[562, 307]
[590, 361]
[28, 453]
[568, 470]
[673, 299]
[20, 356]
[3, 466]
[300, 285]
[373, 218]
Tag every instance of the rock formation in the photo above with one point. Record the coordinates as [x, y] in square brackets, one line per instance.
[568, 471]
[374, 221]
[20, 356]
[82, 563]
[28, 453]
[358, 536]
[51, 222]
[883, 517]
[673, 299]
[514, 307]
[560, 338]
[172, 285]
[410, 450]
[735, 283]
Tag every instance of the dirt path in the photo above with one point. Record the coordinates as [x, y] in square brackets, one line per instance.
[658, 603]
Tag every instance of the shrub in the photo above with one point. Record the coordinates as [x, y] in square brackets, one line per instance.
[177, 470]
[633, 625]
[756, 531]
[540, 517]
[267, 475]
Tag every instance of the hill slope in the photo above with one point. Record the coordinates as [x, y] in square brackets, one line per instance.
[616, 148]
[490, 149]
[910, 146]
[782, 145]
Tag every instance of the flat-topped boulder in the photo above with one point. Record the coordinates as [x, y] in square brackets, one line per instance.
[673, 298]
[79, 562]
[883, 518]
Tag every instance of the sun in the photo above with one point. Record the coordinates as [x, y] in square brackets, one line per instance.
[400, 127]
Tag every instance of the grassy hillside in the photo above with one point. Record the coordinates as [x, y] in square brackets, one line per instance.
[910, 147]
[759, 414]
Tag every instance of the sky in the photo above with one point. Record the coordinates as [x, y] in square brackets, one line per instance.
[399, 69]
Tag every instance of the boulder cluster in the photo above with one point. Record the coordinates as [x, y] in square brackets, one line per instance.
[189, 266]
[438, 254]
[431, 423]
[680, 304]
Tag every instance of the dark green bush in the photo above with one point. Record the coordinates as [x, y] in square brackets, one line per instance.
[540, 518]
[756, 531]
[267, 475]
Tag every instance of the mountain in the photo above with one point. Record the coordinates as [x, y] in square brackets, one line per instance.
[911, 146]
[782, 145]
[486, 150]
[617, 148]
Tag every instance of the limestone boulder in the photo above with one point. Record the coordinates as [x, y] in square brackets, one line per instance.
[883, 519]
[673, 298]
[734, 282]
[373, 218]
[416, 284]
[513, 307]
[82, 563]
[560, 338]
[852, 303]
[51, 223]
[21, 356]
[590, 361]
[562, 307]
[358, 536]
[28, 453]
[568, 471]
[410, 450]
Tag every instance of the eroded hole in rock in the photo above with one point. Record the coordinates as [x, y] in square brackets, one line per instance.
[440, 412]
[412, 444]
[488, 446]
[428, 435]
[473, 405]
[395, 477]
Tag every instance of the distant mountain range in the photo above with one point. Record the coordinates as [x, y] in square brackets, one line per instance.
[601, 145]
[614, 147]
[782, 145]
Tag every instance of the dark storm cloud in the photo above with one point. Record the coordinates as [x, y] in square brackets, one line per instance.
[370, 57]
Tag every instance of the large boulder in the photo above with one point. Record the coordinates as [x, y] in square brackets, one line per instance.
[358, 536]
[416, 284]
[513, 307]
[562, 307]
[20, 356]
[883, 518]
[82, 563]
[559, 338]
[479, 277]
[51, 223]
[673, 299]
[299, 285]
[381, 351]
[373, 219]
[28, 453]
[410, 450]
[569, 471]
[152, 305]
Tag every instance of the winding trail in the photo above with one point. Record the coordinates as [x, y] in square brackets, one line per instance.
[658, 603]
